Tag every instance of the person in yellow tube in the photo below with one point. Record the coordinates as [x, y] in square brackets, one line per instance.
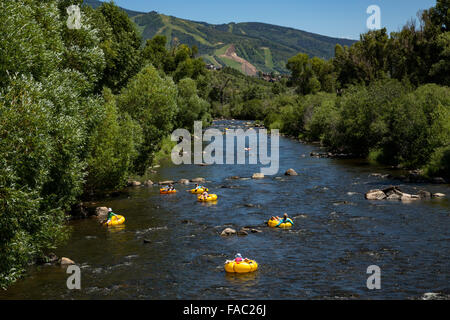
[285, 219]
[205, 195]
[110, 215]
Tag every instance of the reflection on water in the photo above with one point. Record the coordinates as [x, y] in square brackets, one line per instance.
[170, 245]
[115, 229]
[248, 279]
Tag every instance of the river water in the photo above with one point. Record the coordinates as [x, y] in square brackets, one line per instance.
[337, 236]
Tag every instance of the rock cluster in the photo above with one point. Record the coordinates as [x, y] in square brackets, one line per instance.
[394, 193]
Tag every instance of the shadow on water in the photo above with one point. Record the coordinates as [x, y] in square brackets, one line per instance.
[336, 236]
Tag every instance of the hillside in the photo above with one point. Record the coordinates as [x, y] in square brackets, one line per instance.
[243, 46]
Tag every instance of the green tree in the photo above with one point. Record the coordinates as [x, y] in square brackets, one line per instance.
[113, 148]
[190, 106]
[151, 100]
[121, 43]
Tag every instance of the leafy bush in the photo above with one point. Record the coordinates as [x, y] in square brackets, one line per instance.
[150, 100]
[113, 148]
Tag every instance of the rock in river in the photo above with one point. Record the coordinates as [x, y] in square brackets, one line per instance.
[438, 195]
[424, 194]
[166, 182]
[291, 172]
[258, 176]
[228, 232]
[375, 195]
[65, 261]
[242, 233]
[198, 180]
[134, 183]
[101, 212]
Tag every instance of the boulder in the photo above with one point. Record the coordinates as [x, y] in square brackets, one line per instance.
[393, 193]
[380, 175]
[438, 180]
[228, 232]
[134, 183]
[183, 181]
[258, 176]
[424, 194]
[65, 261]
[166, 182]
[235, 178]
[148, 183]
[375, 195]
[101, 212]
[438, 195]
[291, 172]
[255, 231]
[242, 233]
[409, 197]
[394, 196]
[198, 180]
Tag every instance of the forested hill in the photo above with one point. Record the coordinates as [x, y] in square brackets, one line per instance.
[244, 46]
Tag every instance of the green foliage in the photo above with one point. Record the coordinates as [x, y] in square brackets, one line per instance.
[310, 76]
[191, 106]
[28, 223]
[113, 148]
[151, 100]
[439, 164]
[120, 42]
[59, 139]
[30, 41]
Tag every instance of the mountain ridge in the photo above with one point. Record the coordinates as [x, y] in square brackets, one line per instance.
[267, 47]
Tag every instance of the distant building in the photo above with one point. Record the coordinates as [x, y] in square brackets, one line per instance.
[270, 77]
[210, 66]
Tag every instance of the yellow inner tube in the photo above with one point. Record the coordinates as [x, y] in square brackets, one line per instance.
[116, 220]
[244, 266]
[199, 191]
[164, 191]
[210, 197]
[273, 223]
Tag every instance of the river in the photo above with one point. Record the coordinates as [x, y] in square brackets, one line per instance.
[337, 235]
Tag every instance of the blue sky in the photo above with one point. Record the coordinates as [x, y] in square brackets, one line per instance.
[345, 19]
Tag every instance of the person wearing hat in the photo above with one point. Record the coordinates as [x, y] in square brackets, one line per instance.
[110, 215]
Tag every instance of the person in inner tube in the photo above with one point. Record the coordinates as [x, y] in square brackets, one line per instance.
[285, 219]
[110, 215]
[170, 187]
[197, 186]
[205, 195]
[238, 258]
